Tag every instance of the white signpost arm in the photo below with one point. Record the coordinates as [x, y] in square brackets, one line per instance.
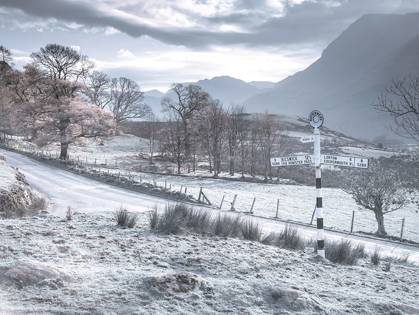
[319, 200]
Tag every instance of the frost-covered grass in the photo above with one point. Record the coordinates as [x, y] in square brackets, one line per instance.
[296, 203]
[17, 198]
[115, 271]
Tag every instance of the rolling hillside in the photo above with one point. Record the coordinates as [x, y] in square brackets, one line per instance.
[351, 72]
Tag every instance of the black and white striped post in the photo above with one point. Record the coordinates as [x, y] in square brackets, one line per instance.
[316, 120]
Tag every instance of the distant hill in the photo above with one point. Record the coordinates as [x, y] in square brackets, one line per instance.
[351, 72]
[261, 85]
[226, 89]
[154, 93]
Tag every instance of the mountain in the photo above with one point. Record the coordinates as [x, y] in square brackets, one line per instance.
[349, 75]
[262, 84]
[228, 89]
[224, 88]
[154, 93]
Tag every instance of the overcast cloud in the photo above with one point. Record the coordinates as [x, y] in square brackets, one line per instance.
[190, 27]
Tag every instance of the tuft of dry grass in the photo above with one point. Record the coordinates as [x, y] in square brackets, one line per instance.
[344, 252]
[291, 238]
[251, 231]
[124, 218]
[376, 257]
[227, 225]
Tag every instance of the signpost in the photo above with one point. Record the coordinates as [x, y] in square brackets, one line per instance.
[307, 139]
[291, 160]
[316, 120]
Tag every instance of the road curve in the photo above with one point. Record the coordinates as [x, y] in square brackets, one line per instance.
[82, 194]
[87, 195]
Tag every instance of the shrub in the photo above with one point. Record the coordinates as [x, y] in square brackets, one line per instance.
[376, 257]
[269, 239]
[124, 218]
[290, 238]
[13, 209]
[250, 230]
[199, 221]
[398, 259]
[69, 215]
[343, 252]
[174, 218]
[227, 226]
[179, 217]
[39, 203]
[153, 218]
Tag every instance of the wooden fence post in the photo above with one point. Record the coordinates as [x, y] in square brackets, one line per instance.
[352, 222]
[277, 208]
[253, 203]
[200, 193]
[222, 200]
[312, 217]
[401, 233]
[232, 204]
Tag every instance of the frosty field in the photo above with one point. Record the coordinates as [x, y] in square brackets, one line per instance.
[296, 203]
[102, 269]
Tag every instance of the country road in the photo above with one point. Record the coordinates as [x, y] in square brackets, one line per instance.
[86, 195]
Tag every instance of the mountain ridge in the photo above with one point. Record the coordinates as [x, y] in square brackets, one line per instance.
[342, 82]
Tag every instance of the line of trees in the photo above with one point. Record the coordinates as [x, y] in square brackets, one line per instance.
[57, 98]
[198, 129]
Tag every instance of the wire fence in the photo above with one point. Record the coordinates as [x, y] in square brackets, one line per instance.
[204, 191]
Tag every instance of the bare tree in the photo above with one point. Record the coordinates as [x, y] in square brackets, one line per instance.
[190, 99]
[7, 110]
[127, 100]
[242, 136]
[149, 130]
[47, 95]
[377, 189]
[69, 120]
[254, 144]
[62, 64]
[172, 140]
[268, 137]
[213, 122]
[401, 101]
[6, 56]
[236, 128]
[96, 89]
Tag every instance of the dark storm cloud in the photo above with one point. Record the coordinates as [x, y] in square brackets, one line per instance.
[310, 21]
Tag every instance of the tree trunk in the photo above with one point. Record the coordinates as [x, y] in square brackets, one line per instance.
[379, 216]
[151, 145]
[178, 167]
[64, 149]
[231, 165]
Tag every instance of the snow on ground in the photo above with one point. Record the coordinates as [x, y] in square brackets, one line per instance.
[367, 152]
[296, 203]
[105, 269]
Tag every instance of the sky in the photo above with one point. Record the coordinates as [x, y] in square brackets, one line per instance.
[160, 42]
